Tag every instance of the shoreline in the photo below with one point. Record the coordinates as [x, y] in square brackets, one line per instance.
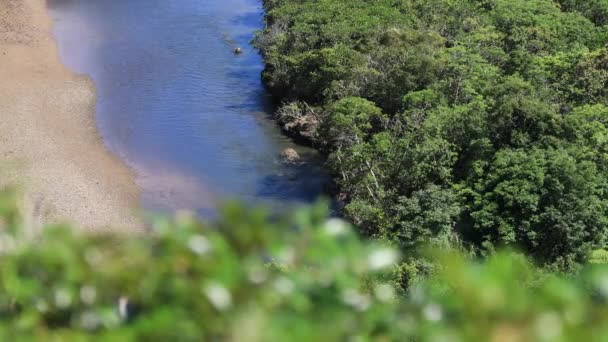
[49, 143]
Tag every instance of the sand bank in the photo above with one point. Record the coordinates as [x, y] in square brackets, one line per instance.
[48, 139]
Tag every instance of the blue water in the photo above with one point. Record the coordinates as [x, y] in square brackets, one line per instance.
[174, 102]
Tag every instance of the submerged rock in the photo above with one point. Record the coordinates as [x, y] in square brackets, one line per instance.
[289, 155]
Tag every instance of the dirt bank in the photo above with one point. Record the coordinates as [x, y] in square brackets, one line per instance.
[48, 139]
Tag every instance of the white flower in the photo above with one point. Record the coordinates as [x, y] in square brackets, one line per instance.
[218, 295]
[384, 292]
[284, 286]
[432, 312]
[41, 305]
[123, 307]
[257, 275]
[199, 244]
[336, 227]
[355, 299]
[382, 258]
[63, 299]
[89, 320]
[88, 294]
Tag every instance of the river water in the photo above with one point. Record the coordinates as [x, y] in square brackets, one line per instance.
[174, 102]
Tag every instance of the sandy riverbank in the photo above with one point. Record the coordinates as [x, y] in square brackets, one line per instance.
[48, 139]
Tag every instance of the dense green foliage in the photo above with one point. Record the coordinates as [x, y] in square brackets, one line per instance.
[473, 123]
[464, 126]
[246, 278]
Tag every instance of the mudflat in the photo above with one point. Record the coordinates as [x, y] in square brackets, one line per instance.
[49, 145]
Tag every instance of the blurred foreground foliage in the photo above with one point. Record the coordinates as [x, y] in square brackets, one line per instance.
[251, 278]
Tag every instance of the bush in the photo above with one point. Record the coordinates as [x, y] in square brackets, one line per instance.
[301, 278]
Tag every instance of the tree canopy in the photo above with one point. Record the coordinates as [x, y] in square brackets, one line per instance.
[478, 122]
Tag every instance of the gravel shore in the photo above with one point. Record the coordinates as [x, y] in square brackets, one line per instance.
[49, 144]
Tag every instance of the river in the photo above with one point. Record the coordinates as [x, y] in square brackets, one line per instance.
[173, 101]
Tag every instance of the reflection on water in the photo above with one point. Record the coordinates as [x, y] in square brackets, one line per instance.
[178, 106]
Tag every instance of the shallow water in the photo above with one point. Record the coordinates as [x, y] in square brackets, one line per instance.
[173, 101]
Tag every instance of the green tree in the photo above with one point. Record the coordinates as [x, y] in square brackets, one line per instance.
[431, 112]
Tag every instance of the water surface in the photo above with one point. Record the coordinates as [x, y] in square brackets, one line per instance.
[174, 102]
